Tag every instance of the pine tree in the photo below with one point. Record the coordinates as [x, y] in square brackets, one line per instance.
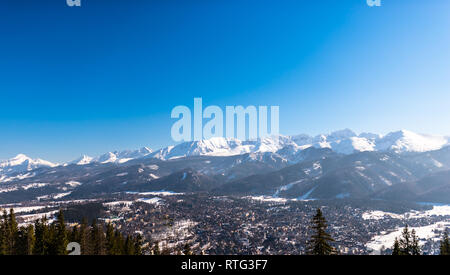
[3, 234]
[51, 243]
[445, 244]
[61, 239]
[12, 232]
[84, 238]
[129, 246]
[396, 249]
[41, 235]
[408, 244]
[25, 241]
[30, 239]
[74, 235]
[405, 242]
[320, 240]
[415, 247]
[97, 239]
[110, 240]
[138, 245]
[119, 243]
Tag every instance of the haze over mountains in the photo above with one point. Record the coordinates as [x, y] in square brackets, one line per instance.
[398, 166]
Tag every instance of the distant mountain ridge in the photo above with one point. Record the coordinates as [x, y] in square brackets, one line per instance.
[294, 172]
[114, 157]
[344, 142]
[21, 163]
[286, 148]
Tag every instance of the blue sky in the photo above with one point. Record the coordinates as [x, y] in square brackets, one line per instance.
[105, 76]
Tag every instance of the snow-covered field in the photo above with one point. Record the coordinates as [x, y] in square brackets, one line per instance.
[425, 233]
[125, 205]
[29, 219]
[118, 203]
[53, 196]
[438, 210]
[267, 199]
[155, 201]
[156, 193]
[25, 209]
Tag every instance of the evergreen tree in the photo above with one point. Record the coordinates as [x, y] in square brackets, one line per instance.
[74, 235]
[119, 243]
[51, 243]
[415, 247]
[97, 239]
[138, 245]
[30, 239]
[408, 244]
[445, 244]
[25, 241]
[110, 240]
[3, 234]
[11, 232]
[41, 235]
[320, 240]
[129, 245]
[84, 238]
[396, 249]
[60, 237]
[405, 242]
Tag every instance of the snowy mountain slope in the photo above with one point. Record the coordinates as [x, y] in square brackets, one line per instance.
[82, 160]
[407, 141]
[353, 144]
[343, 142]
[284, 148]
[290, 172]
[219, 146]
[113, 157]
[332, 176]
[22, 163]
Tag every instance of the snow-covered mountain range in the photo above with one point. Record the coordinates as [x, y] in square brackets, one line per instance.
[21, 163]
[343, 142]
[114, 157]
[219, 146]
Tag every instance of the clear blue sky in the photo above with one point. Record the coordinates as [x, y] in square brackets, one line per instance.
[105, 76]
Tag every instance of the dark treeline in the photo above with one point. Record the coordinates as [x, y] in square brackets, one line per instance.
[43, 238]
[90, 211]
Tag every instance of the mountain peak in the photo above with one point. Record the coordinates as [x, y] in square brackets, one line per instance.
[21, 163]
[21, 157]
[84, 159]
[408, 141]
